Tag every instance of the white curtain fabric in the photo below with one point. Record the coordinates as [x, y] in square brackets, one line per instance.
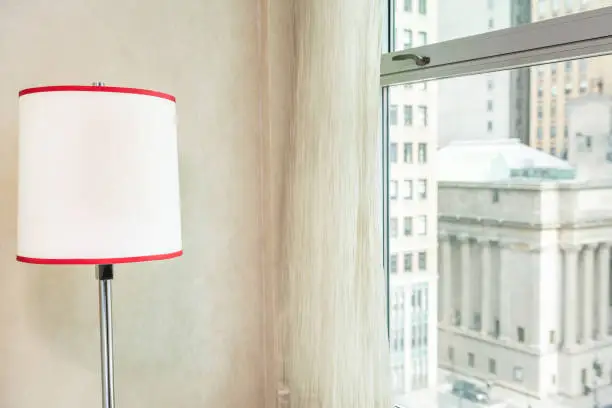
[335, 348]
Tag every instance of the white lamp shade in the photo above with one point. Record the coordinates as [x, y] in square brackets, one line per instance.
[98, 176]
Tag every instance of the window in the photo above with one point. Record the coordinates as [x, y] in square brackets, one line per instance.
[583, 86]
[517, 374]
[489, 126]
[540, 113]
[495, 198]
[422, 38]
[423, 115]
[422, 189]
[491, 24]
[553, 69]
[540, 91]
[408, 262]
[489, 105]
[393, 152]
[422, 6]
[421, 225]
[393, 189]
[422, 153]
[553, 131]
[582, 66]
[408, 153]
[471, 360]
[407, 115]
[407, 189]
[551, 337]
[568, 88]
[540, 135]
[451, 354]
[407, 226]
[553, 90]
[393, 263]
[565, 132]
[490, 4]
[568, 66]
[492, 366]
[477, 323]
[422, 261]
[553, 110]
[490, 84]
[407, 39]
[393, 227]
[520, 331]
[497, 328]
[393, 115]
[553, 151]
[408, 6]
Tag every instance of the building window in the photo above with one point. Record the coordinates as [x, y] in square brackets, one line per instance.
[495, 197]
[422, 153]
[490, 84]
[553, 91]
[477, 321]
[553, 151]
[393, 153]
[393, 263]
[423, 115]
[408, 6]
[492, 366]
[489, 126]
[540, 112]
[421, 225]
[497, 328]
[568, 66]
[540, 92]
[520, 331]
[407, 115]
[517, 374]
[491, 24]
[490, 4]
[553, 68]
[408, 153]
[422, 189]
[407, 189]
[540, 135]
[489, 105]
[407, 39]
[393, 227]
[393, 189]
[471, 360]
[553, 131]
[408, 262]
[582, 65]
[422, 261]
[393, 115]
[422, 38]
[568, 88]
[553, 110]
[451, 354]
[551, 337]
[422, 6]
[565, 132]
[407, 226]
[584, 85]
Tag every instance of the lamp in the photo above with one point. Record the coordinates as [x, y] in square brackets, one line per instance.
[98, 185]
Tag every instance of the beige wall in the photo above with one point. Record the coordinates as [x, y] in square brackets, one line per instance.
[190, 332]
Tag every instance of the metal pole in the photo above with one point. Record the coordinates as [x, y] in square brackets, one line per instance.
[104, 274]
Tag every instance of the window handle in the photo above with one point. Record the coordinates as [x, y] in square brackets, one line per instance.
[420, 60]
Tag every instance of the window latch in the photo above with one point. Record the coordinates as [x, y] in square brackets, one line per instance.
[420, 60]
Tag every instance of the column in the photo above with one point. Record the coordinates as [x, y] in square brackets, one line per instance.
[604, 290]
[485, 296]
[570, 291]
[465, 281]
[588, 294]
[447, 278]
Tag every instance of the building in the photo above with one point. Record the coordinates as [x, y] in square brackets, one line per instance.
[493, 105]
[413, 130]
[556, 83]
[525, 269]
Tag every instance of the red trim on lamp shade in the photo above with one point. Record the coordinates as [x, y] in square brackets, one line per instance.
[83, 88]
[100, 261]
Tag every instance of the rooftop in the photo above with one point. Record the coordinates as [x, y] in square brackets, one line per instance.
[499, 160]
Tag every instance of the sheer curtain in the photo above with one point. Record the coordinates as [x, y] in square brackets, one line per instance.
[334, 343]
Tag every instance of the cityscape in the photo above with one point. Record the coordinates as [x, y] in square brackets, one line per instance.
[500, 228]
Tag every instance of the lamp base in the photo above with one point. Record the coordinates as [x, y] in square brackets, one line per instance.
[104, 275]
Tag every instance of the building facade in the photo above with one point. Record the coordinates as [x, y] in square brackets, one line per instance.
[413, 130]
[524, 270]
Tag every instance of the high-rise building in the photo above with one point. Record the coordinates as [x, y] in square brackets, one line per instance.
[555, 84]
[493, 105]
[413, 130]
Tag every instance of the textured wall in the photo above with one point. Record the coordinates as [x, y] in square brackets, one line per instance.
[189, 331]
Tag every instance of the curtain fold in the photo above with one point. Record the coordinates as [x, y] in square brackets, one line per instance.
[333, 298]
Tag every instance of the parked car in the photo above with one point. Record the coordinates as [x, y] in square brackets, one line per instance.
[470, 391]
